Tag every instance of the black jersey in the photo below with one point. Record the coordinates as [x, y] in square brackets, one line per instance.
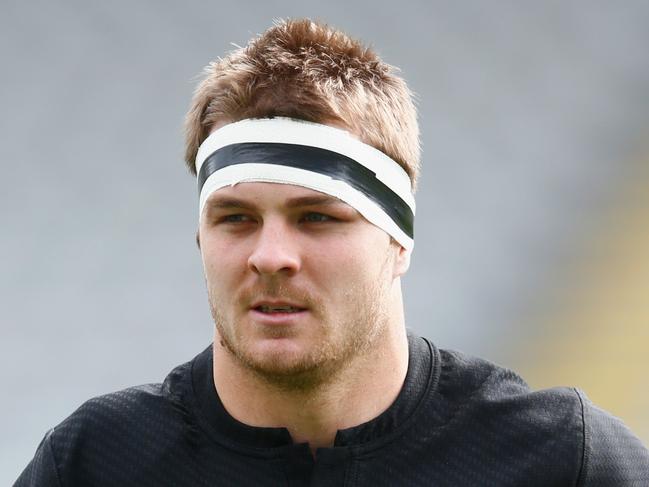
[458, 421]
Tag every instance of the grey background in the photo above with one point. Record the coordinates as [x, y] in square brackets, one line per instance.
[532, 115]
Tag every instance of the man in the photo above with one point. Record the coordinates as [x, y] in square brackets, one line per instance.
[305, 146]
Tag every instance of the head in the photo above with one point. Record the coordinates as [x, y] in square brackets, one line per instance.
[299, 282]
[308, 71]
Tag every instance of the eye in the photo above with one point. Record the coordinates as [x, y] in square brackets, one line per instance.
[314, 217]
[236, 218]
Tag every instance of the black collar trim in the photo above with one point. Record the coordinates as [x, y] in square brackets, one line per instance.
[420, 378]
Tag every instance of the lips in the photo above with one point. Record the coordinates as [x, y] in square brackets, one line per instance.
[277, 307]
[278, 313]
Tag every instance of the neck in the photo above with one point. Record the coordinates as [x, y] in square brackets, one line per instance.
[366, 387]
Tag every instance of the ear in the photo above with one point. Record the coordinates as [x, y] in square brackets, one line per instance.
[198, 239]
[401, 261]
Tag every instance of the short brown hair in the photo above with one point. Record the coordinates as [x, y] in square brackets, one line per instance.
[307, 70]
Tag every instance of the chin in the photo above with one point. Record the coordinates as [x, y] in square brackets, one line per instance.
[289, 372]
[287, 355]
[276, 352]
[287, 363]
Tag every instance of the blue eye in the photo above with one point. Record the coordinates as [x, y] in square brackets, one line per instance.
[316, 217]
[235, 218]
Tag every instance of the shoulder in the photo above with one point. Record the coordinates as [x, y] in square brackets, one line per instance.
[123, 421]
[114, 412]
[112, 433]
[139, 411]
[501, 400]
[613, 455]
[557, 431]
[93, 441]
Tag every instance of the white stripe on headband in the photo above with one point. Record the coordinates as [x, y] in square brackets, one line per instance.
[292, 131]
[393, 214]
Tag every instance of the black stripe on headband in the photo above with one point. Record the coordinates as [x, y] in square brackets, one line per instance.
[314, 159]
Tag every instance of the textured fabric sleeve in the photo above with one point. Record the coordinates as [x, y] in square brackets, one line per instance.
[613, 455]
[41, 471]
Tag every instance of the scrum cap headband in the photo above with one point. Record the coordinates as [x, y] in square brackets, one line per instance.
[315, 156]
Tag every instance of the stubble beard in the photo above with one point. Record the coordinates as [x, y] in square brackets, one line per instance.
[342, 340]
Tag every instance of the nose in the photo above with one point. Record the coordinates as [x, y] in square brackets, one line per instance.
[275, 251]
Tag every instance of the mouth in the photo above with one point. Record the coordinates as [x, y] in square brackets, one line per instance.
[278, 312]
[277, 309]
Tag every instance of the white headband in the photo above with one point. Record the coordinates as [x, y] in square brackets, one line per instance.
[315, 156]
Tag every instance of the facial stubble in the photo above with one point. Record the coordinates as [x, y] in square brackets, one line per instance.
[341, 339]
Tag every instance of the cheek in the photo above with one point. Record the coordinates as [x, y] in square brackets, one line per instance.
[221, 266]
[347, 266]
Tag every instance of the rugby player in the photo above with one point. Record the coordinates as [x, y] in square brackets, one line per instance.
[305, 148]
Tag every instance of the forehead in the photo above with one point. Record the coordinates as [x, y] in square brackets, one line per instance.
[264, 193]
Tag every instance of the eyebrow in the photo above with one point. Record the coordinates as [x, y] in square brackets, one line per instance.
[224, 202]
[318, 200]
